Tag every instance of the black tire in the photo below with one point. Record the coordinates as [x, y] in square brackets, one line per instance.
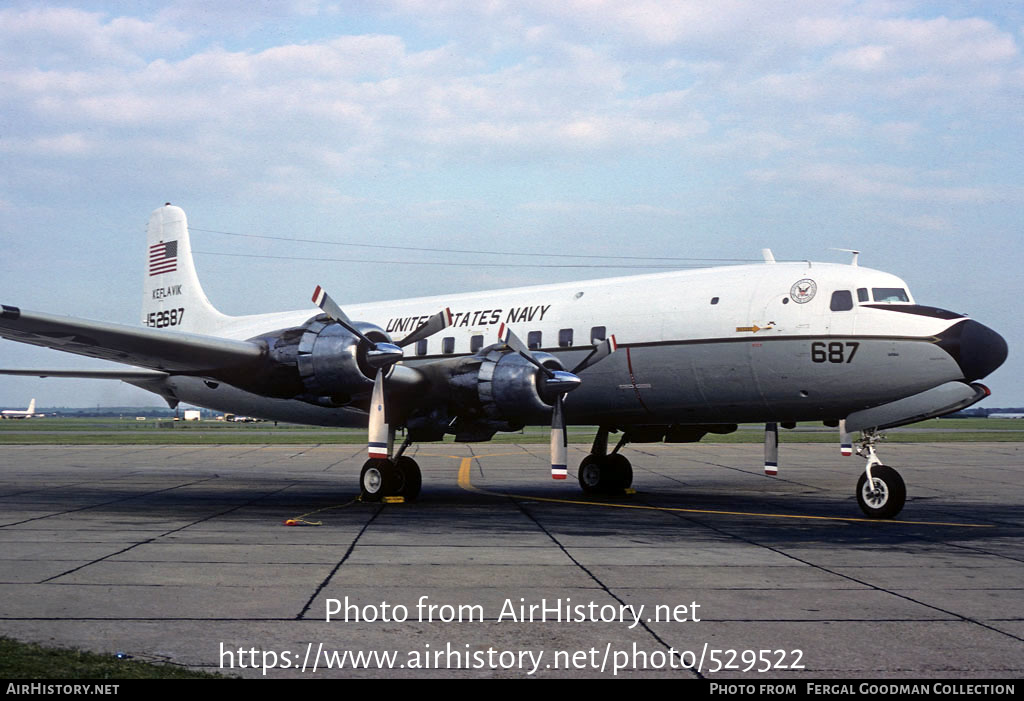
[622, 472]
[605, 474]
[593, 474]
[889, 496]
[410, 478]
[377, 479]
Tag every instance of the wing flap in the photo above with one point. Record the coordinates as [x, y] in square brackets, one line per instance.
[156, 349]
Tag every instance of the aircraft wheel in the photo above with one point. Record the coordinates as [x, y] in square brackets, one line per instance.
[622, 472]
[605, 474]
[410, 477]
[886, 497]
[593, 474]
[378, 479]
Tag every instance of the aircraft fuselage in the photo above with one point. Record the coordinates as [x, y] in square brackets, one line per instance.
[721, 345]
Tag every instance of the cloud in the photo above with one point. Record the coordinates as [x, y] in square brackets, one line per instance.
[887, 182]
[66, 37]
[537, 83]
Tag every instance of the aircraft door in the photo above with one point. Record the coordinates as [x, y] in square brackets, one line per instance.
[792, 312]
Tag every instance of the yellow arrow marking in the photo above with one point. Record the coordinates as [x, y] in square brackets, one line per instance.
[755, 329]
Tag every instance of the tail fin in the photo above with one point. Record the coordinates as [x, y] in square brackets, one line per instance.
[31, 406]
[171, 294]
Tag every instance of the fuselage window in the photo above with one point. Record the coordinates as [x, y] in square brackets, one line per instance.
[842, 301]
[598, 334]
[421, 346]
[533, 340]
[862, 294]
[714, 300]
[448, 345]
[889, 294]
[565, 338]
[476, 343]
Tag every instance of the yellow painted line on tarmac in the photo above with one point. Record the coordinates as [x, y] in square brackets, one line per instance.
[465, 483]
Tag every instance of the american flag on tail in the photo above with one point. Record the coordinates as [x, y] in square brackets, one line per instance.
[163, 258]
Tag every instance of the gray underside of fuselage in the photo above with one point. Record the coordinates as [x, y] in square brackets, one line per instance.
[693, 382]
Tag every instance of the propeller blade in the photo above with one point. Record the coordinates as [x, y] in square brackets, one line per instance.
[331, 309]
[515, 343]
[377, 440]
[559, 441]
[437, 322]
[771, 449]
[601, 351]
[845, 444]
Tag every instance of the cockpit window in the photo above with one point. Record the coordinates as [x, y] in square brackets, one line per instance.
[889, 294]
[842, 301]
[862, 294]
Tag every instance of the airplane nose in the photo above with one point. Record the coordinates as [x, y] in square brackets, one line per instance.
[977, 349]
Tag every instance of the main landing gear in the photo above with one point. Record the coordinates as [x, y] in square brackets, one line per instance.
[397, 477]
[881, 492]
[602, 472]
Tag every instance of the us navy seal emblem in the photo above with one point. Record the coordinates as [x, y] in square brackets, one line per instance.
[803, 291]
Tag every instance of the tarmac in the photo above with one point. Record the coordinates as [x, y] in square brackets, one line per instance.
[710, 570]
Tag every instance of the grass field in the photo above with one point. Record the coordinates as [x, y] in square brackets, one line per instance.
[88, 431]
[28, 661]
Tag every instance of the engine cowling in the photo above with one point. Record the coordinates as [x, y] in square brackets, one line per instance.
[320, 362]
[502, 389]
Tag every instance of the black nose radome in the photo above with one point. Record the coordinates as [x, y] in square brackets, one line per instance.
[977, 349]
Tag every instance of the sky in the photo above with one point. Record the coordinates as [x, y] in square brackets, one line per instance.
[691, 129]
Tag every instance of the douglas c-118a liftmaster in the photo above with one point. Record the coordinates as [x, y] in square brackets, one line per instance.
[659, 357]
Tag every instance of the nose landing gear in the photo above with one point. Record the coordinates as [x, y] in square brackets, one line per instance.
[881, 492]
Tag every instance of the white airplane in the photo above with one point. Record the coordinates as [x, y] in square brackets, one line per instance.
[666, 356]
[18, 414]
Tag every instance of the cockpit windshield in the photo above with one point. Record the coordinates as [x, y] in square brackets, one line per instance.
[889, 294]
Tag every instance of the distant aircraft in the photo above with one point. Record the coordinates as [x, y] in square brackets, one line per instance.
[18, 414]
[661, 357]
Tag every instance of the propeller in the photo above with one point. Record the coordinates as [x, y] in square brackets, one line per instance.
[771, 449]
[560, 383]
[845, 444]
[380, 355]
[437, 322]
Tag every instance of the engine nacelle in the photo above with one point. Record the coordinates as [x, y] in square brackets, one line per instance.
[502, 388]
[320, 362]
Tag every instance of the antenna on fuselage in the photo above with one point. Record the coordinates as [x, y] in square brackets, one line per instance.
[849, 250]
[768, 256]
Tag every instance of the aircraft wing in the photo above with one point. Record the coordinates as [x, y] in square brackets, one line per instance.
[142, 347]
[88, 374]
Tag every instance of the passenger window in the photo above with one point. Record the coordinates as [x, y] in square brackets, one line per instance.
[842, 301]
[862, 294]
[448, 345]
[889, 294]
[421, 346]
[714, 300]
[533, 340]
[598, 334]
[565, 338]
[476, 343]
